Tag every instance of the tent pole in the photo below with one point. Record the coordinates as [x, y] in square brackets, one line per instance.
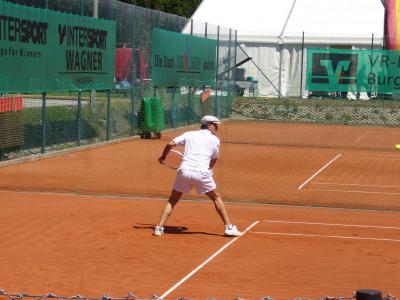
[287, 19]
[280, 70]
[261, 71]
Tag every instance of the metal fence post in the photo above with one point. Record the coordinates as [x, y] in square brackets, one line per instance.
[189, 104]
[229, 67]
[173, 114]
[108, 116]
[216, 106]
[234, 63]
[133, 93]
[79, 119]
[133, 112]
[302, 65]
[81, 7]
[44, 122]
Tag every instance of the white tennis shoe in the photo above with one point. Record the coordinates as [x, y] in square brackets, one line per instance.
[158, 230]
[231, 230]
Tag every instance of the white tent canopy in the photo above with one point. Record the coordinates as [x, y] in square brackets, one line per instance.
[272, 32]
[328, 21]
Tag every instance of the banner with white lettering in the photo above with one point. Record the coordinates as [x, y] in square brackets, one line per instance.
[43, 50]
[339, 70]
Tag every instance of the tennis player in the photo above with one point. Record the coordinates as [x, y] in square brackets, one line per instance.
[201, 150]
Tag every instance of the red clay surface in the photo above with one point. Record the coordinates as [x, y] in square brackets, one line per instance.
[92, 245]
[357, 178]
[70, 244]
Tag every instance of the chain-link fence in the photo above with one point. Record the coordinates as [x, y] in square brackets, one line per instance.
[57, 120]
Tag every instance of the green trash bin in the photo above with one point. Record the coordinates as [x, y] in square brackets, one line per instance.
[152, 117]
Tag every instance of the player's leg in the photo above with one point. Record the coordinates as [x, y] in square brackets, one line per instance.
[182, 185]
[219, 206]
[230, 229]
[167, 210]
[169, 206]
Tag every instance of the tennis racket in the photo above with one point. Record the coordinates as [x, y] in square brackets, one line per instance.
[173, 159]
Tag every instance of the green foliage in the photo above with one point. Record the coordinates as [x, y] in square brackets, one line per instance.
[184, 8]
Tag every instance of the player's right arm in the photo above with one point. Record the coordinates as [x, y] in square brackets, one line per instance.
[166, 150]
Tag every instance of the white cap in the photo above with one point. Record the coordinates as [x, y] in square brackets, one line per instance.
[210, 119]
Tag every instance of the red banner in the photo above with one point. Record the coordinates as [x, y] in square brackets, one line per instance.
[392, 24]
[11, 104]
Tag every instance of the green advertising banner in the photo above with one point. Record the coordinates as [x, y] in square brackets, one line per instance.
[182, 60]
[353, 70]
[43, 50]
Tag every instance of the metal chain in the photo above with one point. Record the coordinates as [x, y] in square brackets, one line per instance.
[130, 296]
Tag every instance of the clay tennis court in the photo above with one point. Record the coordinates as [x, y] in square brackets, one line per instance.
[319, 220]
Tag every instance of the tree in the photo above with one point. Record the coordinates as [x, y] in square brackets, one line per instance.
[184, 8]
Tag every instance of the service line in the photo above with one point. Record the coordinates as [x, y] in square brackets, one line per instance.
[356, 184]
[355, 191]
[332, 224]
[325, 236]
[206, 262]
[319, 171]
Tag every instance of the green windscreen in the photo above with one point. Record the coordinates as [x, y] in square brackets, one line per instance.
[182, 60]
[44, 50]
[340, 70]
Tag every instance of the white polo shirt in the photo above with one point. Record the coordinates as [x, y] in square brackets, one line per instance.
[200, 147]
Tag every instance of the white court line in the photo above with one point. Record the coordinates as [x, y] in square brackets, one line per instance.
[331, 224]
[319, 171]
[325, 236]
[361, 137]
[206, 261]
[381, 157]
[355, 184]
[346, 191]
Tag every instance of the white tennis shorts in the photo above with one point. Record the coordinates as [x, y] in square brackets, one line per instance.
[202, 181]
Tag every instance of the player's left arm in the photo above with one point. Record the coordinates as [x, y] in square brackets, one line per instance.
[213, 161]
[215, 155]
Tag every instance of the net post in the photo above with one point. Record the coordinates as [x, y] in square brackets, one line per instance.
[44, 122]
[79, 119]
[367, 294]
[108, 115]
